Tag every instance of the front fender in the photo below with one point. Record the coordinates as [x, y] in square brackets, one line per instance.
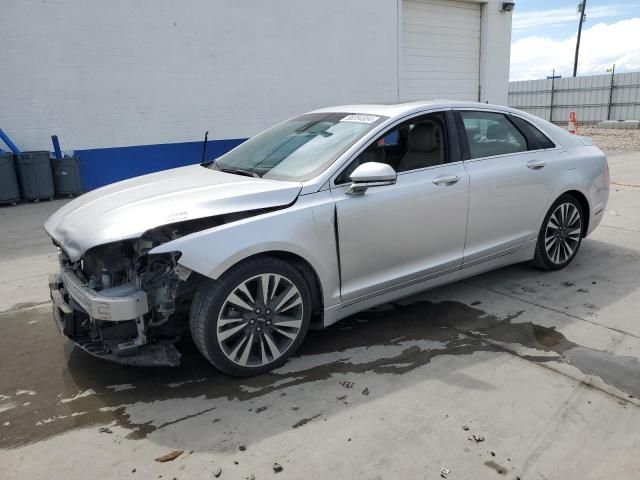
[300, 230]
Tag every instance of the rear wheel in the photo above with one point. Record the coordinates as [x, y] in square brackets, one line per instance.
[560, 235]
[253, 318]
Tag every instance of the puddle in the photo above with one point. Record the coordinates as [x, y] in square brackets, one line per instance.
[76, 390]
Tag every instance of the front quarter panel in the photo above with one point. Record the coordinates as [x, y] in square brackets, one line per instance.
[304, 229]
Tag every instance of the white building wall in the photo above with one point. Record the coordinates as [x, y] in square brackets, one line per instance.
[137, 72]
[130, 72]
[495, 50]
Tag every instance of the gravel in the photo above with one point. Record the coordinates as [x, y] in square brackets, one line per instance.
[609, 139]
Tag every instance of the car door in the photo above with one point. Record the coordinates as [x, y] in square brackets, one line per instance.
[397, 234]
[511, 180]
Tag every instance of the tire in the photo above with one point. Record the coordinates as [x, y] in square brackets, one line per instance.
[557, 247]
[229, 314]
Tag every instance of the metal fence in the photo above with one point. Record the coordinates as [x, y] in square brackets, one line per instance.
[593, 98]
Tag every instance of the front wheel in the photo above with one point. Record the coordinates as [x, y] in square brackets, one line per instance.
[560, 235]
[253, 318]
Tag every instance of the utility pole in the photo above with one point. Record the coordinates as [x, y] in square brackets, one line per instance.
[582, 8]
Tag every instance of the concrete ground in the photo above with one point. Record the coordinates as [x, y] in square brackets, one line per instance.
[542, 367]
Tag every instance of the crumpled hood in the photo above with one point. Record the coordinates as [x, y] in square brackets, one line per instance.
[127, 209]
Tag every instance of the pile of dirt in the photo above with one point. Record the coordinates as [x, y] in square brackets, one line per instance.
[609, 139]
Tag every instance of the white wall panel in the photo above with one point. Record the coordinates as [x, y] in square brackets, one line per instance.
[440, 50]
[128, 72]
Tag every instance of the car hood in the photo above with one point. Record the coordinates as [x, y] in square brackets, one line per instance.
[126, 209]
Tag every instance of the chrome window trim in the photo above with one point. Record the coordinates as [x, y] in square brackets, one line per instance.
[432, 167]
[515, 154]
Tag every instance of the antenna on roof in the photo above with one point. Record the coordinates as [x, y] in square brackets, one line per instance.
[204, 145]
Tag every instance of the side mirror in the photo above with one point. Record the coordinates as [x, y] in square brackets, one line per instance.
[371, 174]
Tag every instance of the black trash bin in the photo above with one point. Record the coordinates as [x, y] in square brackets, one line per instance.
[66, 176]
[34, 175]
[9, 191]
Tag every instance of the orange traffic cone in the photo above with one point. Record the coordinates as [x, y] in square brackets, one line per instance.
[573, 123]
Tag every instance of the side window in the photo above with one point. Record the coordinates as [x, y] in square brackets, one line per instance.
[417, 143]
[426, 144]
[536, 139]
[373, 153]
[491, 134]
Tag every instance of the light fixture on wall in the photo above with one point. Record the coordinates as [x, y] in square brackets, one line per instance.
[508, 6]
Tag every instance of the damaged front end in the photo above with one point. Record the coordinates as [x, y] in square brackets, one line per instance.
[123, 304]
[112, 295]
[116, 299]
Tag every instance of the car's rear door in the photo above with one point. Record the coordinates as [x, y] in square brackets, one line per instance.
[511, 180]
[397, 234]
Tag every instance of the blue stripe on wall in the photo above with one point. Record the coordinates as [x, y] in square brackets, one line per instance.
[101, 166]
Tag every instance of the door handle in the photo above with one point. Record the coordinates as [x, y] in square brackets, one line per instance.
[535, 164]
[446, 180]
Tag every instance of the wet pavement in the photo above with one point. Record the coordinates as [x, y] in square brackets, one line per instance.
[543, 366]
[50, 386]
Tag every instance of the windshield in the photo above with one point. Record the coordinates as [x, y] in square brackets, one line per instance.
[297, 149]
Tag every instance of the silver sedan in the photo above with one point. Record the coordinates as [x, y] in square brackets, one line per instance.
[324, 215]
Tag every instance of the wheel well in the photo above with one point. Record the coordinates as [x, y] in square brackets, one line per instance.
[585, 208]
[309, 274]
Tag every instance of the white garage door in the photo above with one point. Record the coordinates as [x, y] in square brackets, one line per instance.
[440, 56]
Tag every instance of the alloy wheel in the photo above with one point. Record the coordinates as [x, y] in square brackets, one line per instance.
[562, 234]
[260, 319]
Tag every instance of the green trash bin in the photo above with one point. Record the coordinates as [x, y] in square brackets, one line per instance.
[9, 191]
[34, 176]
[66, 176]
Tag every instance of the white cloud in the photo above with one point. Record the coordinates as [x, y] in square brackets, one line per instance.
[559, 16]
[603, 44]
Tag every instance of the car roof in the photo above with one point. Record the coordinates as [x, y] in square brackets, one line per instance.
[397, 109]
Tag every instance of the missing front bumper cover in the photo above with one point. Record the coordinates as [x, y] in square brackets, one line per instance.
[124, 302]
[76, 324]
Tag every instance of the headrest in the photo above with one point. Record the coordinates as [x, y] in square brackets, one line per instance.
[422, 138]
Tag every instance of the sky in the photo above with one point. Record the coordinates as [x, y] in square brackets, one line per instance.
[544, 37]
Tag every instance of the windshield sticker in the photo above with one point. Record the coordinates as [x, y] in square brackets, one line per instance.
[177, 216]
[360, 118]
